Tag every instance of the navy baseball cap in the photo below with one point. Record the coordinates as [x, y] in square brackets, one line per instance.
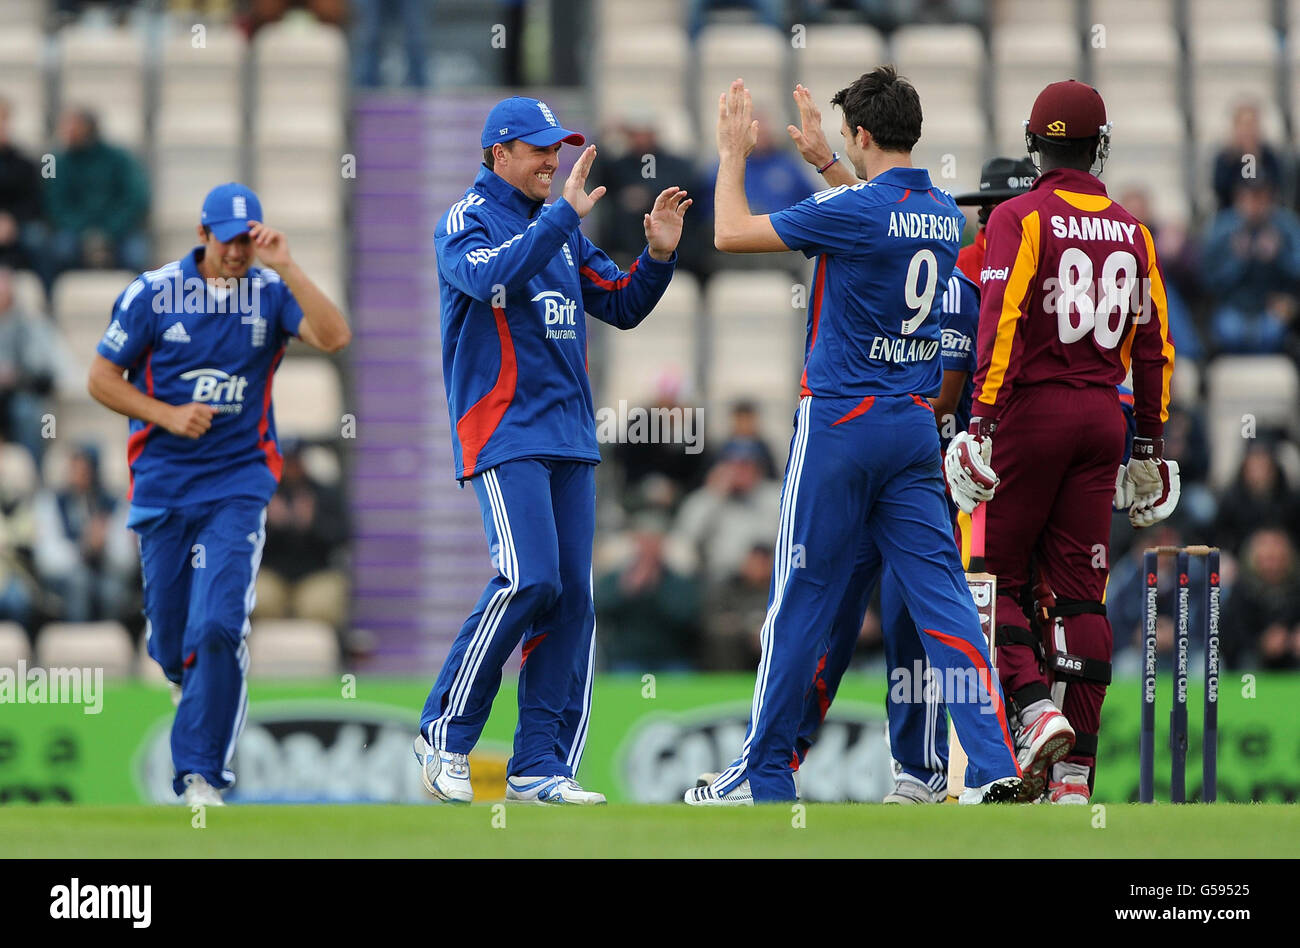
[528, 120]
[228, 208]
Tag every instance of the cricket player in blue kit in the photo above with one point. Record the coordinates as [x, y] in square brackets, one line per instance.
[199, 340]
[516, 277]
[863, 456]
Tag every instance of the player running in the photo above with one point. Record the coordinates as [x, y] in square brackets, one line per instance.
[862, 459]
[516, 276]
[200, 339]
[1072, 297]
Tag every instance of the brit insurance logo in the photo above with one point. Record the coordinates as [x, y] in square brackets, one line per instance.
[561, 314]
[219, 388]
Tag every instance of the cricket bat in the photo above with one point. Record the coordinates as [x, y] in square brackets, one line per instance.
[984, 590]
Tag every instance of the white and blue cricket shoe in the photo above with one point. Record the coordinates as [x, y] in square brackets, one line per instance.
[550, 791]
[445, 775]
[707, 795]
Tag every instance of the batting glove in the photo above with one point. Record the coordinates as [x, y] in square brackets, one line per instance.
[1123, 490]
[971, 480]
[1144, 475]
[1162, 504]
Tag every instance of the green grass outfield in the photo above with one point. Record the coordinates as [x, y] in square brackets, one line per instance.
[870, 831]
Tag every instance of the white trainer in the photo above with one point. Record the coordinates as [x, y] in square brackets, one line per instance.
[445, 775]
[1069, 784]
[739, 795]
[198, 792]
[1002, 790]
[907, 789]
[1045, 738]
[551, 791]
[703, 780]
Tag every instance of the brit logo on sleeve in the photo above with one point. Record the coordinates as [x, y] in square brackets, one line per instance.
[115, 336]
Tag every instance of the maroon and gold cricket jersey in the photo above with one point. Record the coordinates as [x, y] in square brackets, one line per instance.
[1072, 294]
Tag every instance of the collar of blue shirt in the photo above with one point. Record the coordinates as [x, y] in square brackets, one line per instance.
[496, 187]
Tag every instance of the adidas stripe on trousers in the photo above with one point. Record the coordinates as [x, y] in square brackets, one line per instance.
[540, 520]
[864, 465]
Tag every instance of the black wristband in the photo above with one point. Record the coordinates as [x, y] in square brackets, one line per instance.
[1148, 449]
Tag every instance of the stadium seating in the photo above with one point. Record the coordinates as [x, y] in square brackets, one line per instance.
[665, 344]
[308, 399]
[18, 474]
[14, 647]
[1026, 57]
[1245, 394]
[29, 293]
[103, 70]
[292, 648]
[103, 645]
[22, 83]
[832, 57]
[1141, 14]
[624, 59]
[754, 53]
[756, 348]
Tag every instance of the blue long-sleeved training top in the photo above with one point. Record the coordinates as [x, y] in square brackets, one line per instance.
[514, 279]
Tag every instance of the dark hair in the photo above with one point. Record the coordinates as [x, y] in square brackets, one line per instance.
[487, 157]
[886, 105]
[1077, 153]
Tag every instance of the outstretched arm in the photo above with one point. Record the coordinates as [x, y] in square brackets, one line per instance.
[811, 141]
[735, 229]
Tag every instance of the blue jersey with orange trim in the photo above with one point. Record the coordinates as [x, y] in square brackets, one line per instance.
[884, 249]
[514, 279]
[184, 340]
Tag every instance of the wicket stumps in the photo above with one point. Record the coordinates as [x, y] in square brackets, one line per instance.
[1178, 715]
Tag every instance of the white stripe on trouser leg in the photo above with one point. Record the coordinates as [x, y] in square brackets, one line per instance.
[462, 685]
[580, 737]
[489, 622]
[784, 557]
[241, 654]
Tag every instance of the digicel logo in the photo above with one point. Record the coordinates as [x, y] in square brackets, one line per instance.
[994, 273]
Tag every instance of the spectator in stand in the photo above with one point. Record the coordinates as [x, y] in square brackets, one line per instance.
[732, 513]
[302, 573]
[28, 360]
[376, 20]
[736, 610]
[1186, 440]
[1245, 156]
[631, 179]
[1125, 594]
[1259, 497]
[258, 13]
[84, 552]
[767, 12]
[650, 466]
[1261, 620]
[98, 202]
[20, 201]
[1252, 266]
[1178, 260]
[745, 433]
[19, 590]
[774, 177]
[647, 610]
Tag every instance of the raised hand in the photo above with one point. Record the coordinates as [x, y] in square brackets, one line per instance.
[271, 246]
[811, 139]
[737, 129]
[575, 186]
[663, 225]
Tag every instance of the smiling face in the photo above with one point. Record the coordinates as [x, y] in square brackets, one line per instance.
[530, 168]
[225, 260]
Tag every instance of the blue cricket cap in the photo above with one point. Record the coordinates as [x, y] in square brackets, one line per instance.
[228, 208]
[528, 120]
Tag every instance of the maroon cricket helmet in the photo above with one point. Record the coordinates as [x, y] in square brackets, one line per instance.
[1068, 109]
